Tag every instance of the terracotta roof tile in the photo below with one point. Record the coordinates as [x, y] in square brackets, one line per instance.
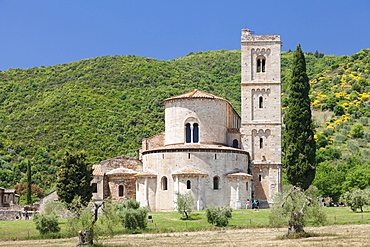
[239, 174]
[97, 170]
[195, 94]
[145, 174]
[122, 171]
[190, 172]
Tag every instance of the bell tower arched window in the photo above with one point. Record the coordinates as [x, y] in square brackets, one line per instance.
[235, 143]
[261, 142]
[261, 64]
[260, 102]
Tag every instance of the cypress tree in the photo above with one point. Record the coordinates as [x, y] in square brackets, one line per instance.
[298, 137]
[29, 186]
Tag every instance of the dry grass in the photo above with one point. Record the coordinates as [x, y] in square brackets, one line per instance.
[346, 235]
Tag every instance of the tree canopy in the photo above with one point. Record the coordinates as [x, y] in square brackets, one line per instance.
[74, 177]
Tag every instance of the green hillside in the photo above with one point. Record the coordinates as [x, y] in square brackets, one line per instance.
[106, 105]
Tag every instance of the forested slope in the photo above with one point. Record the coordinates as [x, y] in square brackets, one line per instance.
[106, 105]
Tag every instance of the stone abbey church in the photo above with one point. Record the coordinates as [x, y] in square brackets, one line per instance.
[207, 148]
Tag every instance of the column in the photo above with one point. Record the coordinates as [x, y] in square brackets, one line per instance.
[238, 204]
[146, 202]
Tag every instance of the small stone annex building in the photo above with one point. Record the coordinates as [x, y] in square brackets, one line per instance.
[207, 148]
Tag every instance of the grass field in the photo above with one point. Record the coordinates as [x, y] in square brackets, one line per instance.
[166, 222]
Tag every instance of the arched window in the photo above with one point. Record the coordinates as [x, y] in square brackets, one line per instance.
[164, 183]
[261, 64]
[94, 187]
[261, 142]
[235, 143]
[260, 178]
[120, 191]
[195, 133]
[188, 185]
[246, 186]
[260, 102]
[191, 133]
[216, 181]
[188, 133]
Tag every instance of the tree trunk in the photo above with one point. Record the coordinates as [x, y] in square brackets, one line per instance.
[294, 228]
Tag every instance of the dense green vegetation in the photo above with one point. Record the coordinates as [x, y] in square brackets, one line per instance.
[106, 105]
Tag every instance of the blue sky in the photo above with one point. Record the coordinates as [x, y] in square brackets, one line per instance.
[36, 33]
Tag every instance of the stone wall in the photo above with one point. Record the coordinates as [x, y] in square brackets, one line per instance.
[129, 187]
[153, 142]
[210, 114]
[261, 110]
[212, 163]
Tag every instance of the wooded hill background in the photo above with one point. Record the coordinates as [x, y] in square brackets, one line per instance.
[107, 105]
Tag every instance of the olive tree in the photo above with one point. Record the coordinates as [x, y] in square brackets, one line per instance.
[294, 208]
[184, 203]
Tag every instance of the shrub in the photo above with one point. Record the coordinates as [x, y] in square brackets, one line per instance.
[132, 216]
[362, 142]
[357, 131]
[328, 132]
[339, 110]
[218, 216]
[46, 223]
[367, 136]
[321, 141]
[353, 147]
[364, 120]
[340, 138]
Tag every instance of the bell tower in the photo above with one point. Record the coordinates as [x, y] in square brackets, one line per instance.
[261, 110]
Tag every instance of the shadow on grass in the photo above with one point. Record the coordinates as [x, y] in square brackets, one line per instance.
[304, 235]
[193, 216]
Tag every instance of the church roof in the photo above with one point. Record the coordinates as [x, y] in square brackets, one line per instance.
[191, 172]
[145, 174]
[195, 94]
[9, 191]
[239, 174]
[97, 170]
[121, 171]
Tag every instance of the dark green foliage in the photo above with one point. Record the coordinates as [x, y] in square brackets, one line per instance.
[358, 177]
[132, 216]
[328, 154]
[299, 146]
[218, 216]
[29, 184]
[339, 110]
[46, 223]
[74, 177]
[184, 203]
[322, 141]
[329, 179]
